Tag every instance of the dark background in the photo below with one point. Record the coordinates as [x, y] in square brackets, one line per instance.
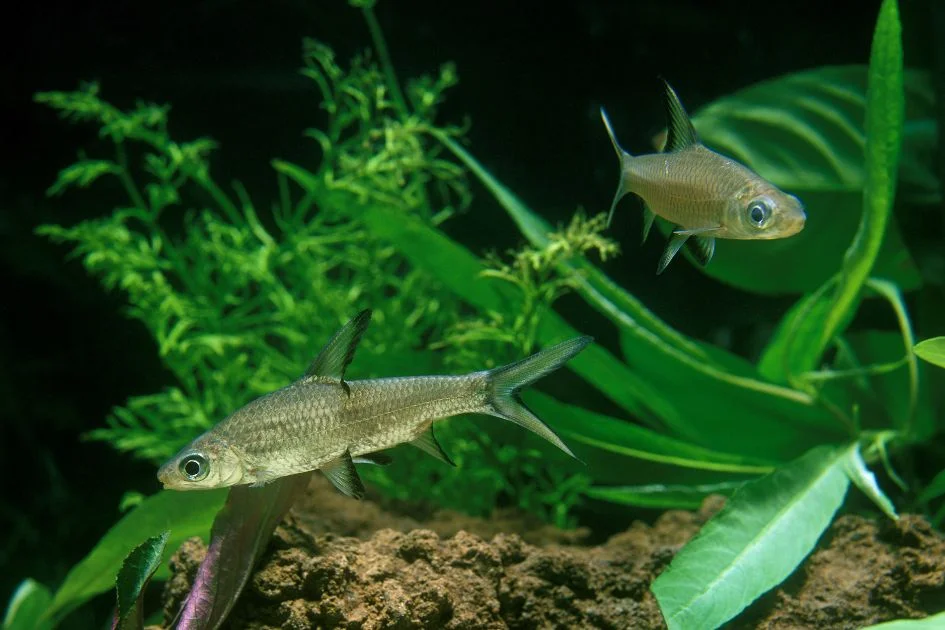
[532, 76]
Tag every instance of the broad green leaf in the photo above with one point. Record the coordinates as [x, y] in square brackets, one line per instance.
[663, 496]
[723, 414]
[805, 131]
[934, 622]
[185, 514]
[241, 533]
[133, 577]
[932, 350]
[864, 479]
[27, 607]
[764, 531]
[624, 438]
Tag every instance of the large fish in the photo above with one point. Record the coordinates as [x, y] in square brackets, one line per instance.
[705, 194]
[324, 422]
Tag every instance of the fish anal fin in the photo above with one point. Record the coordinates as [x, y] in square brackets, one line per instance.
[330, 364]
[428, 443]
[702, 248]
[675, 242]
[378, 459]
[343, 475]
[648, 217]
[680, 133]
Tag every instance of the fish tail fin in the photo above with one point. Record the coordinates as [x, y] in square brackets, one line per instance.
[505, 382]
[624, 159]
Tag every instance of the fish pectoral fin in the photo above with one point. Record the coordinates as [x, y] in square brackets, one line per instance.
[342, 474]
[263, 476]
[378, 459]
[698, 231]
[675, 242]
[702, 248]
[330, 364]
[428, 443]
[680, 134]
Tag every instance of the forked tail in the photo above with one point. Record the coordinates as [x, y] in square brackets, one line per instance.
[624, 158]
[505, 382]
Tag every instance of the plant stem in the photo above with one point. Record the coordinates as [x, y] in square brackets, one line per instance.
[384, 57]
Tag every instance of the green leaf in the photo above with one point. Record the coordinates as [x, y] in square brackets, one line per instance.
[934, 622]
[932, 350]
[27, 607]
[133, 577]
[804, 131]
[765, 530]
[185, 514]
[935, 489]
[241, 532]
[663, 496]
[860, 475]
[885, 113]
[736, 414]
[623, 438]
[884, 128]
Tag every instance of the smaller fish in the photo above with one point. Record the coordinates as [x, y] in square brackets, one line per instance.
[324, 422]
[705, 194]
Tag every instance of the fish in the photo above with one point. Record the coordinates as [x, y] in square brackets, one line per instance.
[323, 421]
[704, 194]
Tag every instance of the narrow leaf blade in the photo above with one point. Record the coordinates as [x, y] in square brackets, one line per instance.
[240, 534]
[864, 479]
[663, 496]
[765, 530]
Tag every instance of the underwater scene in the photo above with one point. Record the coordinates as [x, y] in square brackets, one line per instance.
[375, 314]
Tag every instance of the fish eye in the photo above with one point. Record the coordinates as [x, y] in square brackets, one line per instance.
[758, 213]
[195, 467]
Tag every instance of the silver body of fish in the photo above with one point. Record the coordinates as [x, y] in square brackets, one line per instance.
[704, 194]
[324, 422]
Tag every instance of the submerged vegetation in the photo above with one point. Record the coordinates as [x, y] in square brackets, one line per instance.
[239, 296]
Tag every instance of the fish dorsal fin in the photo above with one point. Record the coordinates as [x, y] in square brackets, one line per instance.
[680, 133]
[330, 364]
[675, 242]
[428, 443]
[342, 474]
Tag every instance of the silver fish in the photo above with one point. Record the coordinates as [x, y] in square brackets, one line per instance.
[705, 194]
[324, 422]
